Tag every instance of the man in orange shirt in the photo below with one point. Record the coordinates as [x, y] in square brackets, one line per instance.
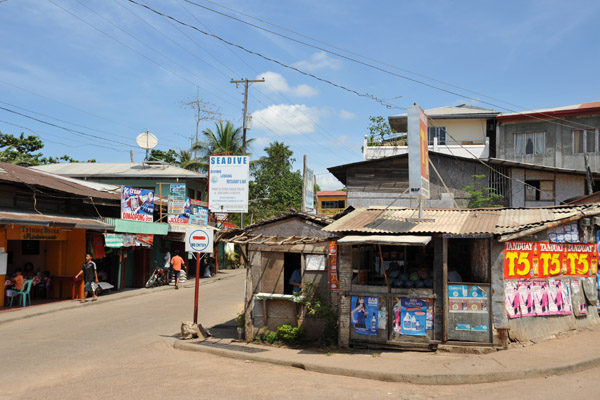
[177, 263]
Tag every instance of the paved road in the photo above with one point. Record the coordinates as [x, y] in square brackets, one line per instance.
[123, 349]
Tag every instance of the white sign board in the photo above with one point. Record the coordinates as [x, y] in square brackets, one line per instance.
[418, 153]
[199, 240]
[228, 186]
[315, 262]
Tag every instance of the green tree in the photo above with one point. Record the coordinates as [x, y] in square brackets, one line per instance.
[380, 127]
[22, 150]
[480, 195]
[275, 187]
[225, 139]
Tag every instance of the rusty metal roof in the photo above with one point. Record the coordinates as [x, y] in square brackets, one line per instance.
[30, 177]
[60, 221]
[502, 222]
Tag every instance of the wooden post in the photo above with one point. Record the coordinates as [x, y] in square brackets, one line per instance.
[384, 272]
[445, 287]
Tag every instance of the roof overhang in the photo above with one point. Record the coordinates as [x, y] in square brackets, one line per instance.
[398, 240]
[12, 218]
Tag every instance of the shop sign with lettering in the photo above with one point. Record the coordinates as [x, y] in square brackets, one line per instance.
[542, 260]
[26, 232]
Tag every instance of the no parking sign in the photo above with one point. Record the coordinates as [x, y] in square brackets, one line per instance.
[199, 240]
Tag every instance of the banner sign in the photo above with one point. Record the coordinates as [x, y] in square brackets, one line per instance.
[228, 186]
[309, 190]
[184, 217]
[137, 204]
[364, 314]
[176, 199]
[198, 212]
[543, 260]
[418, 153]
[27, 232]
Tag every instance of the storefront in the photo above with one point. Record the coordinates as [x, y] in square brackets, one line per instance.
[465, 277]
[45, 246]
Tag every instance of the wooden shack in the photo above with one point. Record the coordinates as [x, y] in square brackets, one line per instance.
[272, 249]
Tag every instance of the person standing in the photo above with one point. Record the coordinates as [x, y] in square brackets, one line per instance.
[177, 263]
[90, 277]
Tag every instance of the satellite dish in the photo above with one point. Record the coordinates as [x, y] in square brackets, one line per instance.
[146, 140]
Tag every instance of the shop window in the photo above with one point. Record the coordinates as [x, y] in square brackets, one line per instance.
[291, 262]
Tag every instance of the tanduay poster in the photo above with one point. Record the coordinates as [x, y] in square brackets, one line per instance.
[137, 204]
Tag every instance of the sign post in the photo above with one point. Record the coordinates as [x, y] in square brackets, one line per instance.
[198, 241]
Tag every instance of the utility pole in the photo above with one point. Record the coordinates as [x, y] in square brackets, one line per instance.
[245, 81]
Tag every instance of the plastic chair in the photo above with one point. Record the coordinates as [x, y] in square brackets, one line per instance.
[25, 293]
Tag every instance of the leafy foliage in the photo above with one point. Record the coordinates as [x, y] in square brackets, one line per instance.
[380, 128]
[481, 196]
[22, 150]
[275, 188]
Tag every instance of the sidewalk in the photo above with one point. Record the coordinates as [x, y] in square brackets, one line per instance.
[572, 353]
[18, 313]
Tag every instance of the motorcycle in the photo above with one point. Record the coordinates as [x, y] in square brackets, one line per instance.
[158, 278]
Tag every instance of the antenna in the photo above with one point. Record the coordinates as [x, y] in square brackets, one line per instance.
[147, 141]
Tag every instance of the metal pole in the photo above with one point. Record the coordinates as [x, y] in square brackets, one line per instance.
[198, 257]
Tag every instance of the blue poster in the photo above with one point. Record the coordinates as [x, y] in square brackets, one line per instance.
[364, 314]
[137, 204]
[413, 315]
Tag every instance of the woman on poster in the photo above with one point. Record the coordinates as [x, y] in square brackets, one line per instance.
[359, 314]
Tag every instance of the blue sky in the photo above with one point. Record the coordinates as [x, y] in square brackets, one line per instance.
[111, 69]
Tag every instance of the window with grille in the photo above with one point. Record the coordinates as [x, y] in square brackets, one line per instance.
[585, 141]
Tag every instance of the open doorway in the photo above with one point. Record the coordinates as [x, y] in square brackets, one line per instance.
[291, 261]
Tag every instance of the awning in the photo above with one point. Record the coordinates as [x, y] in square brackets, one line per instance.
[399, 240]
[13, 218]
[149, 228]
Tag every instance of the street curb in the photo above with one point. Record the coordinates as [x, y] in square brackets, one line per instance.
[120, 295]
[421, 379]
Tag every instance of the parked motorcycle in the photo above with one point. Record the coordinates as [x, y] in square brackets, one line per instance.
[158, 277]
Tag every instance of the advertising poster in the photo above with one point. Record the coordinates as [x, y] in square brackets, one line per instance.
[198, 212]
[184, 217]
[365, 310]
[413, 317]
[578, 299]
[568, 233]
[525, 289]
[541, 296]
[512, 300]
[137, 204]
[228, 184]
[546, 260]
[176, 198]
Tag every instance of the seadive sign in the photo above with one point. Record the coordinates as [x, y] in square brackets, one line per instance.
[228, 184]
[418, 153]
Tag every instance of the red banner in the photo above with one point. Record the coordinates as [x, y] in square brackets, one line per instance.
[543, 260]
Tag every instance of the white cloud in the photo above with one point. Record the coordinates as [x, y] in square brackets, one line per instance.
[328, 182]
[347, 114]
[287, 119]
[275, 82]
[319, 61]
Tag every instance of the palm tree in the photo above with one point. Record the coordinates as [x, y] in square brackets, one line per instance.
[226, 139]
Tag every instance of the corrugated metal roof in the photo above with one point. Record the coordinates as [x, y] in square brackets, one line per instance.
[500, 221]
[118, 170]
[28, 176]
[15, 218]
